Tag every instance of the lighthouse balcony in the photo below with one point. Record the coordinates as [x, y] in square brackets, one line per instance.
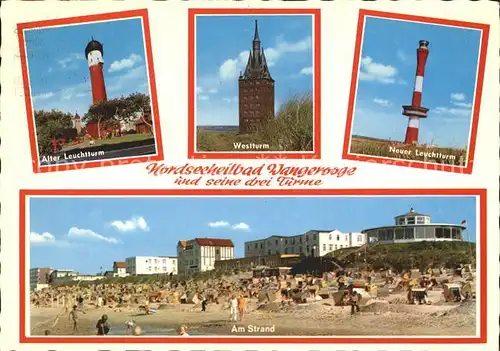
[415, 111]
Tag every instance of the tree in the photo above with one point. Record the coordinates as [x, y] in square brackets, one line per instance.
[132, 104]
[48, 125]
[103, 114]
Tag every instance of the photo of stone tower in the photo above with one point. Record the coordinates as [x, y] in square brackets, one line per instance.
[256, 89]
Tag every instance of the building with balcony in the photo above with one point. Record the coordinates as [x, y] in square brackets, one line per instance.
[414, 226]
[143, 265]
[200, 254]
[315, 243]
[39, 278]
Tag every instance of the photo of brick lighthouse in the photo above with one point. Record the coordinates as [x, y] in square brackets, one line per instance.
[262, 114]
[96, 106]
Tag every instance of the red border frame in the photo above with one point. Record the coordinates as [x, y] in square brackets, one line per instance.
[143, 13]
[477, 98]
[192, 153]
[481, 339]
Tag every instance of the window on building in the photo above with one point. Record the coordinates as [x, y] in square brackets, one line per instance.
[439, 233]
[401, 221]
[217, 251]
[314, 237]
[336, 247]
[149, 268]
[307, 238]
[286, 241]
[341, 246]
[269, 243]
[382, 235]
[276, 242]
[338, 237]
[293, 250]
[400, 234]
[300, 240]
[255, 245]
[307, 248]
[456, 234]
[261, 246]
[409, 234]
[420, 233]
[324, 247]
[330, 247]
[410, 220]
[346, 238]
[268, 252]
[286, 250]
[360, 238]
[420, 220]
[330, 237]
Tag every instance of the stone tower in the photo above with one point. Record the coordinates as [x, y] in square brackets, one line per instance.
[256, 89]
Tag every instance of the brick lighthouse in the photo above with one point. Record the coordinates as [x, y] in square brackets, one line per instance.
[94, 54]
[256, 89]
[415, 111]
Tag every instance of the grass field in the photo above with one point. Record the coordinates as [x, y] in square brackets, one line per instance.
[391, 149]
[114, 140]
[291, 130]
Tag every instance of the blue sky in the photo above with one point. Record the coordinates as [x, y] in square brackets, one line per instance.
[222, 46]
[387, 75]
[87, 233]
[58, 70]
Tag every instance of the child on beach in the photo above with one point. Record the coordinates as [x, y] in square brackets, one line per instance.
[183, 330]
[73, 315]
[102, 325]
[242, 302]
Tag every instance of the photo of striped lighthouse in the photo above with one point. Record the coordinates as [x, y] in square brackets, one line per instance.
[396, 114]
[92, 98]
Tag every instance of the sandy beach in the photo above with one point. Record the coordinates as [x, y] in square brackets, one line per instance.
[377, 317]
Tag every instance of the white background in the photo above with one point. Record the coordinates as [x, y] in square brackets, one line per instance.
[339, 24]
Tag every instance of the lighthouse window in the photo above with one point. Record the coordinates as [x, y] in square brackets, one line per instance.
[401, 221]
[410, 220]
[382, 235]
[420, 220]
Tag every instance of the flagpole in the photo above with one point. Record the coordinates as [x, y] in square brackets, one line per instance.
[470, 244]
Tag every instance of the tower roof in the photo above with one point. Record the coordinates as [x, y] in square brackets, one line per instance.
[92, 46]
[412, 213]
[257, 67]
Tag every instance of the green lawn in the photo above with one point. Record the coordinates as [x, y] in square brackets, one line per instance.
[114, 140]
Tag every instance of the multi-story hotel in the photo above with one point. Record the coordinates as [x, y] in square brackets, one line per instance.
[141, 265]
[314, 243]
[39, 278]
[200, 254]
[414, 226]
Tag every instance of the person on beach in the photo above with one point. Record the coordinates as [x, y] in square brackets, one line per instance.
[73, 316]
[233, 306]
[129, 327]
[242, 303]
[353, 300]
[102, 325]
[137, 331]
[183, 331]
[99, 302]
[204, 305]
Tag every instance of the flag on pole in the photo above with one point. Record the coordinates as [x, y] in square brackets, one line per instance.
[464, 222]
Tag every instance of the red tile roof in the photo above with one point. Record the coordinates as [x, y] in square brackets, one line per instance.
[120, 265]
[214, 242]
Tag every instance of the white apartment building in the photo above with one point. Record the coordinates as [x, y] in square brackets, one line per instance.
[313, 243]
[59, 275]
[200, 254]
[141, 265]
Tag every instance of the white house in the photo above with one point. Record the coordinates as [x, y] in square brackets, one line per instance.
[119, 269]
[140, 265]
[200, 254]
[312, 243]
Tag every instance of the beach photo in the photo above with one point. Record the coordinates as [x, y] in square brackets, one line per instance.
[416, 91]
[90, 94]
[254, 83]
[373, 263]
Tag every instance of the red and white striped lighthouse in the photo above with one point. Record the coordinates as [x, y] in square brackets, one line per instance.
[94, 54]
[414, 111]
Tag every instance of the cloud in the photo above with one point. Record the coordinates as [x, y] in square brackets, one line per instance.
[87, 233]
[241, 226]
[130, 225]
[218, 224]
[462, 112]
[70, 61]
[307, 70]
[46, 237]
[463, 104]
[125, 63]
[43, 96]
[382, 102]
[231, 67]
[457, 96]
[377, 72]
[129, 81]
[203, 97]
